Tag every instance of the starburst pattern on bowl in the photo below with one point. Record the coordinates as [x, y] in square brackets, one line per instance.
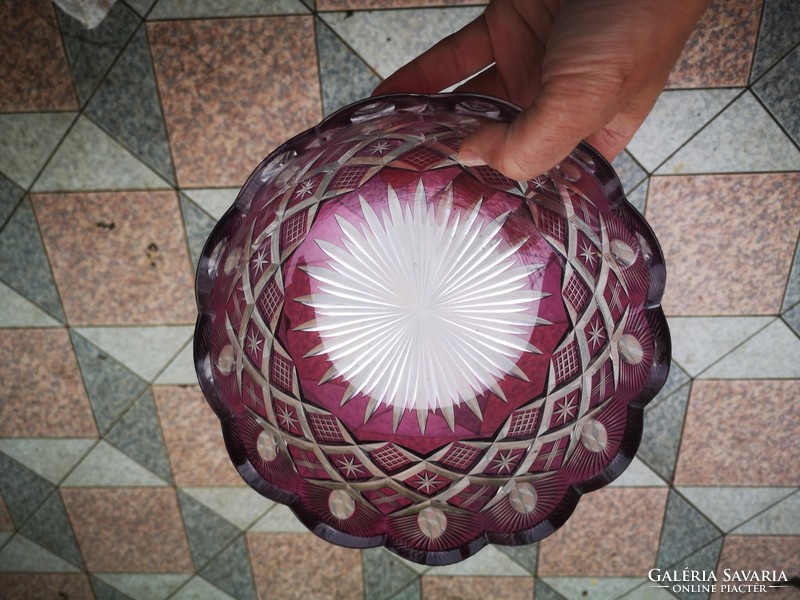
[423, 306]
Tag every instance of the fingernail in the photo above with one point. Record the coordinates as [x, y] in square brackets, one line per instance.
[468, 158]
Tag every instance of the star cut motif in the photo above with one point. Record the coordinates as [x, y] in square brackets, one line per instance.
[504, 462]
[350, 466]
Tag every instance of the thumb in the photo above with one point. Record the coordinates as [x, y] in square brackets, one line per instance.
[542, 135]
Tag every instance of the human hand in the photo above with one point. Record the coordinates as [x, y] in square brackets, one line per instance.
[582, 69]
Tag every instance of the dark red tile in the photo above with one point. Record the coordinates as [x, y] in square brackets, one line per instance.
[759, 553]
[45, 586]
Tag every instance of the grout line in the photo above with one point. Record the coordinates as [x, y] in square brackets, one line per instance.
[756, 41]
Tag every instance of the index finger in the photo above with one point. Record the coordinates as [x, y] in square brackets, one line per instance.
[451, 60]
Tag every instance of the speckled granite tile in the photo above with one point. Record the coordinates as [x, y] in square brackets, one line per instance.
[345, 77]
[685, 531]
[10, 194]
[18, 311]
[23, 262]
[35, 72]
[122, 246]
[328, 5]
[625, 545]
[279, 519]
[740, 448]
[218, 141]
[239, 505]
[773, 553]
[411, 592]
[105, 466]
[779, 91]
[181, 370]
[194, 9]
[384, 574]
[145, 586]
[111, 386]
[728, 507]
[23, 490]
[104, 591]
[304, 566]
[780, 30]
[720, 50]
[200, 589]
[744, 137]
[129, 530]
[89, 159]
[629, 171]
[52, 458]
[215, 201]
[704, 559]
[638, 474]
[21, 555]
[489, 562]
[476, 588]
[780, 519]
[676, 116]
[44, 586]
[725, 222]
[592, 588]
[645, 592]
[142, 7]
[774, 352]
[661, 437]
[792, 318]
[138, 434]
[698, 342]
[42, 394]
[545, 592]
[50, 528]
[198, 226]
[375, 34]
[208, 533]
[676, 379]
[29, 140]
[230, 571]
[638, 197]
[524, 555]
[126, 105]
[792, 294]
[193, 438]
[92, 51]
[5, 519]
[143, 350]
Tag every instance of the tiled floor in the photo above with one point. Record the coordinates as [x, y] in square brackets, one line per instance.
[122, 145]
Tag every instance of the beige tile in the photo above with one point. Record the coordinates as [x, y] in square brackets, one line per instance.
[232, 91]
[41, 390]
[119, 258]
[727, 240]
[301, 565]
[129, 530]
[194, 438]
[614, 532]
[740, 432]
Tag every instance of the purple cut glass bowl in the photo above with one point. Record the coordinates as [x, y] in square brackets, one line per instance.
[411, 352]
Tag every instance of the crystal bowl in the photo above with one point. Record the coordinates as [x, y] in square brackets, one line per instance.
[412, 352]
